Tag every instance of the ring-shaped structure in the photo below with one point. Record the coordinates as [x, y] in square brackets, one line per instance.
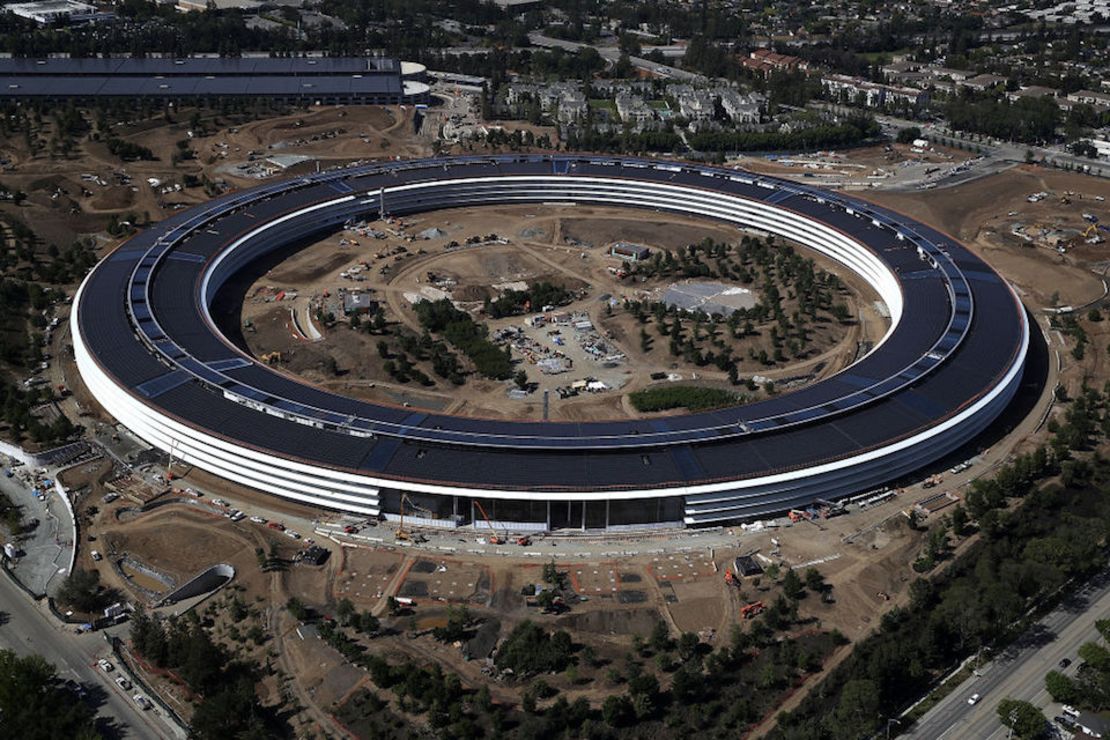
[151, 354]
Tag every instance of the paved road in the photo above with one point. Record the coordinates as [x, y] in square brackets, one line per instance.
[612, 54]
[1004, 151]
[1018, 673]
[26, 629]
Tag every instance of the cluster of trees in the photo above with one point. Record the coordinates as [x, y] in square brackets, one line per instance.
[718, 692]
[401, 368]
[515, 302]
[229, 705]
[468, 336]
[1032, 121]
[25, 259]
[693, 398]
[35, 704]
[364, 621]
[530, 650]
[851, 132]
[1023, 557]
[752, 261]
[1070, 326]
[516, 140]
[625, 141]
[16, 406]
[128, 151]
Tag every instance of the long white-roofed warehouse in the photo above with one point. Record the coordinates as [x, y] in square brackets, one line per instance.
[312, 80]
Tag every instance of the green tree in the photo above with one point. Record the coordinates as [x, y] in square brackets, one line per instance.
[81, 590]
[617, 711]
[33, 704]
[230, 711]
[1061, 687]
[792, 585]
[660, 639]
[908, 135]
[959, 521]
[344, 611]
[458, 620]
[1025, 719]
[1096, 656]
[688, 646]
[857, 709]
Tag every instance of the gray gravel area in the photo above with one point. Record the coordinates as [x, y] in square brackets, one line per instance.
[46, 549]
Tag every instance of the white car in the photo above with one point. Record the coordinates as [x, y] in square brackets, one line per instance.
[123, 683]
[105, 665]
[142, 701]
[258, 520]
[291, 533]
[973, 699]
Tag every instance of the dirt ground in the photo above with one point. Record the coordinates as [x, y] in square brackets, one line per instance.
[979, 215]
[561, 245]
[865, 557]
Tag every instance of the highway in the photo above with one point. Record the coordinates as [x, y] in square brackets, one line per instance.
[26, 629]
[1018, 672]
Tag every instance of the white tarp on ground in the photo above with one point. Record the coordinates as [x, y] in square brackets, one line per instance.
[711, 297]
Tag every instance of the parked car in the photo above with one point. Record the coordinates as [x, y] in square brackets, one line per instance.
[142, 701]
[123, 683]
[105, 665]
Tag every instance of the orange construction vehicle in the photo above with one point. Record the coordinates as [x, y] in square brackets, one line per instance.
[494, 538]
[731, 579]
[749, 611]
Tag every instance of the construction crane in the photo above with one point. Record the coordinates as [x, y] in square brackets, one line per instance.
[403, 535]
[494, 538]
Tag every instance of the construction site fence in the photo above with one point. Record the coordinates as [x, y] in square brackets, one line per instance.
[121, 660]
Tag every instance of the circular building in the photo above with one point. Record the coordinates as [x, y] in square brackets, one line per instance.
[150, 352]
